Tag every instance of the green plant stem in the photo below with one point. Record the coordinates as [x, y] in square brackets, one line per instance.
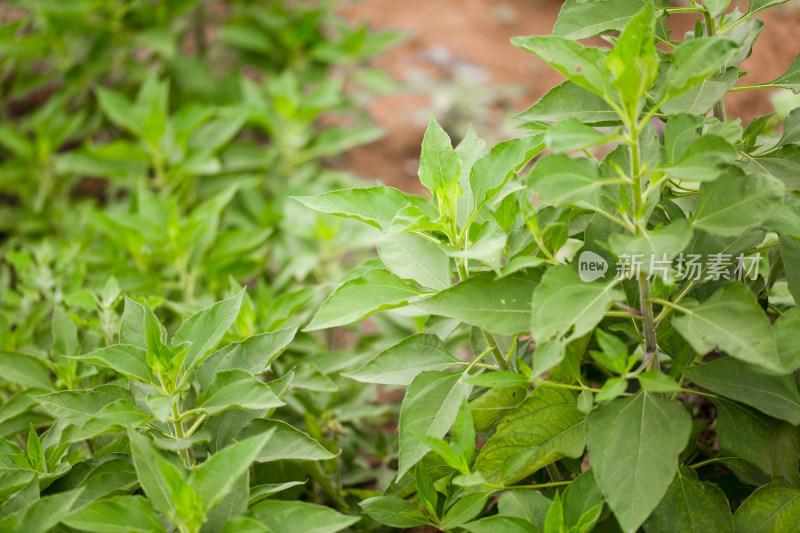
[552, 471]
[711, 31]
[180, 430]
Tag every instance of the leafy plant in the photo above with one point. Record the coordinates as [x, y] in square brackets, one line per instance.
[595, 387]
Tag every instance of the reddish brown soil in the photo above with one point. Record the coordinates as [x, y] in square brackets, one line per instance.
[477, 33]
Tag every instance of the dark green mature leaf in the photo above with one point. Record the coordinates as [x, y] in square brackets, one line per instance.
[578, 20]
[400, 364]
[544, 428]
[286, 443]
[759, 5]
[14, 480]
[394, 512]
[115, 415]
[770, 444]
[528, 504]
[771, 508]
[500, 306]
[253, 355]
[205, 329]
[581, 497]
[438, 165]
[26, 370]
[569, 100]
[732, 321]
[579, 64]
[791, 128]
[495, 523]
[373, 291]
[412, 257]
[692, 506]
[702, 160]
[785, 332]
[564, 307]
[121, 514]
[305, 517]
[737, 202]
[774, 395]
[634, 445]
[668, 241]
[132, 326]
[429, 408]
[464, 509]
[127, 359]
[236, 389]
[376, 206]
[494, 404]
[790, 252]
[77, 407]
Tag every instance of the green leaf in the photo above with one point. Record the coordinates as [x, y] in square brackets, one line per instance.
[581, 498]
[215, 478]
[502, 379]
[733, 321]
[579, 64]
[463, 510]
[561, 180]
[253, 355]
[132, 326]
[703, 160]
[427, 493]
[287, 443]
[206, 328]
[119, 110]
[571, 101]
[578, 20]
[567, 308]
[495, 523]
[500, 306]
[77, 407]
[462, 436]
[236, 389]
[65, 336]
[759, 5]
[443, 450]
[373, 291]
[789, 79]
[41, 515]
[259, 492]
[415, 258]
[774, 395]
[401, 363]
[544, 428]
[305, 517]
[666, 243]
[554, 521]
[127, 359]
[146, 460]
[785, 332]
[633, 61]
[438, 165]
[14, 480]
[430, 407]
[694, 61]
[737, 202]
[491, 172]
[782, 164]
[528, 504]
[771, 508]
[692, 506]
[115, 415]
[121, 514]
[376, 206]
[791, 128]
[570, 135]
[394, 512]
[654, 381]
[26, 370]
[634, 445]
[770, 444]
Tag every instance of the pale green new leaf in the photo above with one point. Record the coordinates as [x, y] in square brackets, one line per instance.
[634, 445]
[561, 180]
[26, 370]
[438, 164]
[570, 135]
[578, 20]
[666, 243]
[694, 61]
[127, 359]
